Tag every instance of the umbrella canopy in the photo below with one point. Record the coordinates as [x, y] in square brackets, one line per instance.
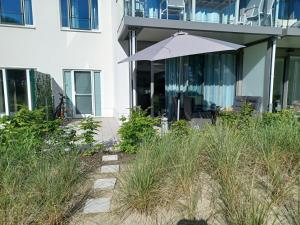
[182, 44]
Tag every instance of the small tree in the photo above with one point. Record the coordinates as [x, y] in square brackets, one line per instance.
[90, 128]
[134, 130]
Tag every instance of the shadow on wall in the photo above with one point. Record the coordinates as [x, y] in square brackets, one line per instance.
[56, 90]
[192, 222]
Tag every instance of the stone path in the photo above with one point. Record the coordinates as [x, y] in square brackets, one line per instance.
[102, 203]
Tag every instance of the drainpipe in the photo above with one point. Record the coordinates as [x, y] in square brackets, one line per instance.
[132, 64]
[274, 40]
[5, 92]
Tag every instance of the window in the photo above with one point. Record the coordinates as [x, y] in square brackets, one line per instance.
[83, 91]
[17, 89]
[17, 12]
[79, 14]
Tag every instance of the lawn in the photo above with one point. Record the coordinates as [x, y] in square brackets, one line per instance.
[243, 171]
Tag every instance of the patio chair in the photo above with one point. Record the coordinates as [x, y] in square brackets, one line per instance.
[172, 7]
[252, 12]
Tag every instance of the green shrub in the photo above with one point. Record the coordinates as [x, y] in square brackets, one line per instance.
[180, 127]
[89, 127]
[134, 130]
[238, 119]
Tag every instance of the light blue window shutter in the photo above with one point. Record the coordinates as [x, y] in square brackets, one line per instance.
[95, 17]
[68, 93]
[97, 93]
[28, 12]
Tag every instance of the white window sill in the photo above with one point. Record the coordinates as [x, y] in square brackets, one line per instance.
[82, 31]
[17, 26]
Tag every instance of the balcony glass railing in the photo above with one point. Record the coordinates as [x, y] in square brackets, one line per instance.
[275, 13]
[288, 14]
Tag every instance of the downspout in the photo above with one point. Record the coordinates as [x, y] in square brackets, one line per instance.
[274, 40]
[132, 70]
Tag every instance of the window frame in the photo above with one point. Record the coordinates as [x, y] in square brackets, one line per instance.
[23, 14]
[92, 72]
[91, 18]
[6, 91]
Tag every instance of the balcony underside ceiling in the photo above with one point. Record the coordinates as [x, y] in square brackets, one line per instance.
[155, 35]
[289, 42]
[154, 30]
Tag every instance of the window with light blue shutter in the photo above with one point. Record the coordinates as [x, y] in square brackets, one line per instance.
[68, 92]
[97, 93]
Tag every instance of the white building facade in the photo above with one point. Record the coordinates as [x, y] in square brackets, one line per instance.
[76, 43]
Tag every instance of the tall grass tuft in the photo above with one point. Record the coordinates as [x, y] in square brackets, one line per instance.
[250, 167]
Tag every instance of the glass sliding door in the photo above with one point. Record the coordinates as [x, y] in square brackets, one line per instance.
[83, 93]
[17, 89]
[2, 99]
[294, 80]
[278, 82]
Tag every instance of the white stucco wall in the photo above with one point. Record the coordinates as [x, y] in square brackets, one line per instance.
[50, 50]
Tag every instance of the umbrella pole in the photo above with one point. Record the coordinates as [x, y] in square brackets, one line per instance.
[179, 83]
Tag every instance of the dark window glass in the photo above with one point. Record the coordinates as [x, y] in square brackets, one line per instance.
[17, 89]
[11, 12]
[80, 14]
[64, 13]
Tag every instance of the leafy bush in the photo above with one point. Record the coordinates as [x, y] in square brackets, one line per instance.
[180, 127]
[134, 130]
[237, 119]
[89, 127]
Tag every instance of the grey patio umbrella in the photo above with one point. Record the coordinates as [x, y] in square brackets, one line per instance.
[179, 45]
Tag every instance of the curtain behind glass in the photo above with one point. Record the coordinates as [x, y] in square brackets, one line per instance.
[28, 12]
[2, 100]
[219, 80]
[95, 19]
[80, 14]
[208, 79]
[171, 85]
[294, 80]
[64, 12]
[11, 12]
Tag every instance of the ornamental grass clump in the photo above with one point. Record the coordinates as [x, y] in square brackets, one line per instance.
[38, 177]
[250, 167]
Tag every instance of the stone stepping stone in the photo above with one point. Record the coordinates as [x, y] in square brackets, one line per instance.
[110, 169]
[105, 184]
[106, 158]
[98, 205]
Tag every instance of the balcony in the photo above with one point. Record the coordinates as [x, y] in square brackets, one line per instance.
[268, 13]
